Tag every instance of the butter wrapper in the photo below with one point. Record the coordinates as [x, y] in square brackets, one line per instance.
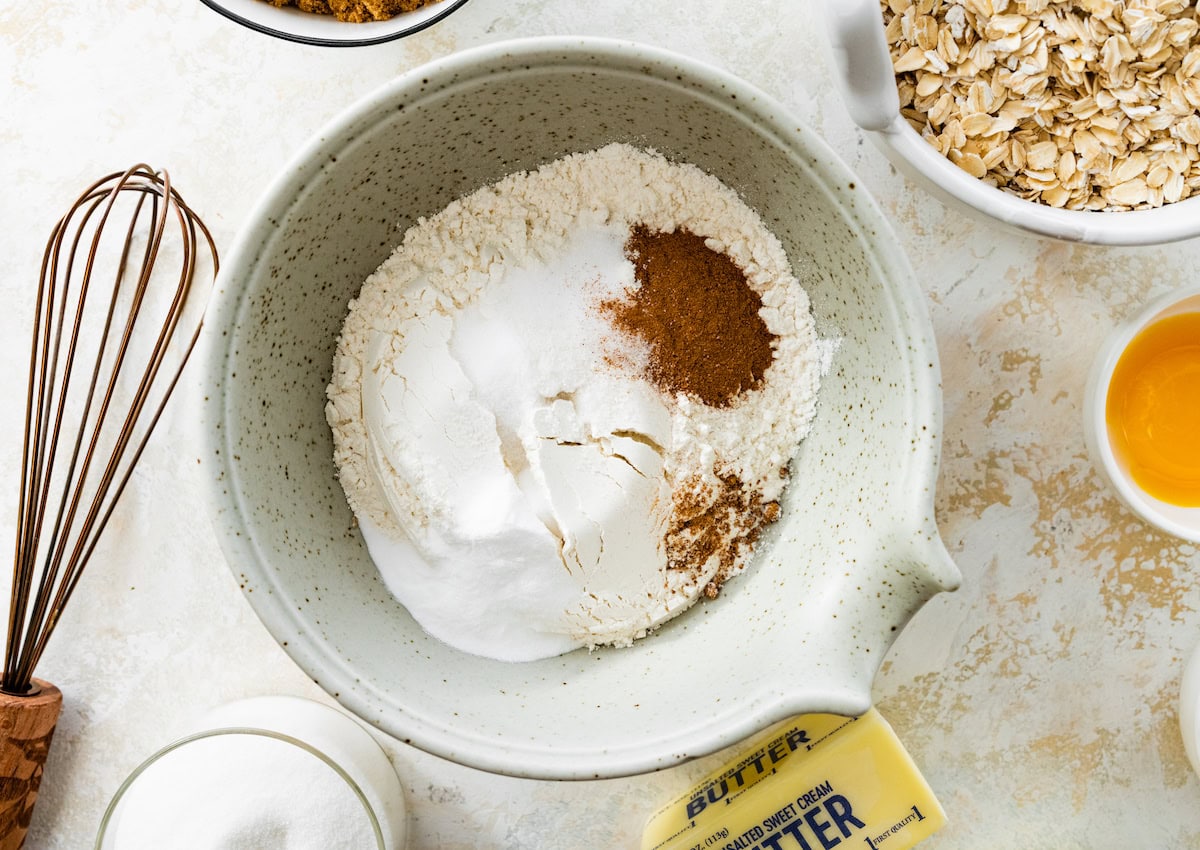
[812, 782]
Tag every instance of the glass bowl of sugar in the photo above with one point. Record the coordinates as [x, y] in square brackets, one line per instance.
[269, 772]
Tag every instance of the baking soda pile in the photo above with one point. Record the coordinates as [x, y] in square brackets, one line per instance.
[525, 479]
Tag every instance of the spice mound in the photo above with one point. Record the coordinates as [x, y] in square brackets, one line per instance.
[1084, 106]
[356, 11]
[564, 408]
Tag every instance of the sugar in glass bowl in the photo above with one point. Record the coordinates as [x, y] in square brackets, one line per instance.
[804, 629]
[255, 772]
[291, 24]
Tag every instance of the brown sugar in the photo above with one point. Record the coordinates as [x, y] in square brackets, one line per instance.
[697, 313]
[356, 11]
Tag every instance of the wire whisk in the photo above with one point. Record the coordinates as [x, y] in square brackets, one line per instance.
[116, 318]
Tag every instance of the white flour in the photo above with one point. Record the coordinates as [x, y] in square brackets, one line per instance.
[515, 489]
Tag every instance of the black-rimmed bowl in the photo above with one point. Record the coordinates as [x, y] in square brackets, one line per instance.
[291, 24]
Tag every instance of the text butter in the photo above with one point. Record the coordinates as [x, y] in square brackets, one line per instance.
[813, 782]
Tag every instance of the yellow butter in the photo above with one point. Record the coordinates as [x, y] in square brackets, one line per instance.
[813, 782]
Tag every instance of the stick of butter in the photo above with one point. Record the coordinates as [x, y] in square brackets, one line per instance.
[809, 783]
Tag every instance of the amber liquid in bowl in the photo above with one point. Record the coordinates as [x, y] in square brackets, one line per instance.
[1153, 409]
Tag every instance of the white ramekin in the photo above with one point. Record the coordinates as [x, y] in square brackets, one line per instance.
[1189, 709]
[1181, 522]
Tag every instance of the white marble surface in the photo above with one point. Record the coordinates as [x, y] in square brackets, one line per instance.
[1039, 699]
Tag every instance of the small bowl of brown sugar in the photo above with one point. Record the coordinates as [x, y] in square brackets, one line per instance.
[1076, 121]
[336, 23]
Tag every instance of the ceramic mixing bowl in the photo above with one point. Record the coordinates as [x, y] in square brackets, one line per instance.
[862, 67]
[805, 629]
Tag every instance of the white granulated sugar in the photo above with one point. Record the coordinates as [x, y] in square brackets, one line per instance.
[240, 792]
[518, 487]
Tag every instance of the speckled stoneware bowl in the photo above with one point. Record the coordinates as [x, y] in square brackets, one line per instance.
[291, 24]
[805, 629]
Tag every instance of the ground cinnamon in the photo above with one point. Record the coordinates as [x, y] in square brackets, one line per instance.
[697, 313]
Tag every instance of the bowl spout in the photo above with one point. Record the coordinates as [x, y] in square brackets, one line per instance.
[928, 553]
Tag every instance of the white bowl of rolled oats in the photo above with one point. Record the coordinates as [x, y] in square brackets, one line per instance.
[1073, 119]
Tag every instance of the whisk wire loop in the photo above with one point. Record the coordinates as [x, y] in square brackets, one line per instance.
[103, 445]
[64, 518]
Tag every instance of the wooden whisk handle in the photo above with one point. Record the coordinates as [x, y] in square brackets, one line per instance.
[26, 727]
